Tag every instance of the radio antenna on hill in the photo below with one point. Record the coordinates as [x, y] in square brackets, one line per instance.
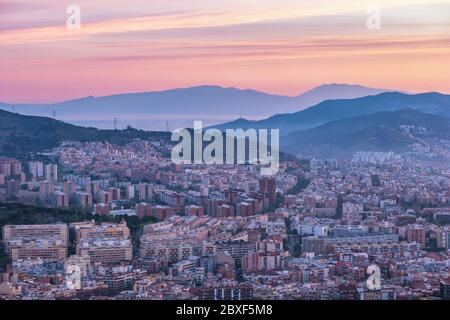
[167, 126]
[115, 123]
[54, 114]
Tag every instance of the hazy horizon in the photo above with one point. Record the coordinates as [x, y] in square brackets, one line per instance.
[283, 48]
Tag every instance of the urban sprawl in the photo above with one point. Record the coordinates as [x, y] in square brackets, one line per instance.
[216, 232]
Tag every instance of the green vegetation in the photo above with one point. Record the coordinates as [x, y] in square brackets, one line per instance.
[293, 240]
[297, 250]
[287, 223]
[4, 260]
[15, 213]
[301, 184]
[375, 132]
[278, 201]
[434, 249]
[375, 180]
[340, 202]
[21, 135]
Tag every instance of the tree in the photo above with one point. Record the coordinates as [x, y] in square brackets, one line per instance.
[302, 183]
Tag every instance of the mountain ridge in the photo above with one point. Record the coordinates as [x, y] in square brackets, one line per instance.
[381, 131]
[330, 110]
[200, 102]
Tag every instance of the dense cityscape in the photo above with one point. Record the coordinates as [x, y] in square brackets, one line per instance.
[242, 158]
[225, 232]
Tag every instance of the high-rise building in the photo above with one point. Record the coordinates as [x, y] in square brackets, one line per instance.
[416, 233]
[224, 211]
[93, 188]
[145, 191]
[163, 212]
[10, 166]
[102, 209]
[130, 192]
[69, 187]
[268, 186]
[46, 189]
[12, 189]
[244, 209]
[193, 210]
[171, 198]
[115, 192]
[51, 172]
[313, 244]
[211, 207]
[84, 200]
[144, 209]
[5, 167]
[106, 196]
[60, 199]
[36, 169]
[443, 238]
[269, 255]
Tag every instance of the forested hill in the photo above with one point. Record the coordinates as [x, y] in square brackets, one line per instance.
[21, 135]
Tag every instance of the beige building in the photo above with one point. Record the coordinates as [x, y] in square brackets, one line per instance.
[35, 249]
[106, 243]
[45, 241]
[106, 252]
[91, 230]
[57, 232]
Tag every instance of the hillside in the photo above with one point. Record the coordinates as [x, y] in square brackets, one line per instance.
[20, 135]
[432, 103]
[376, 132]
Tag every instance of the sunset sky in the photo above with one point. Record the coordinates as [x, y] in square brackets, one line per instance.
[276, 46]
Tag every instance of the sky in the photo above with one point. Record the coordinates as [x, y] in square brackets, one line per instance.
[282, 47]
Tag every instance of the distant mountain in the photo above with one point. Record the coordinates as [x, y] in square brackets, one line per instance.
[382, 131]
[21, 135]
[207, 103]
[334, 91]
[330, 110]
